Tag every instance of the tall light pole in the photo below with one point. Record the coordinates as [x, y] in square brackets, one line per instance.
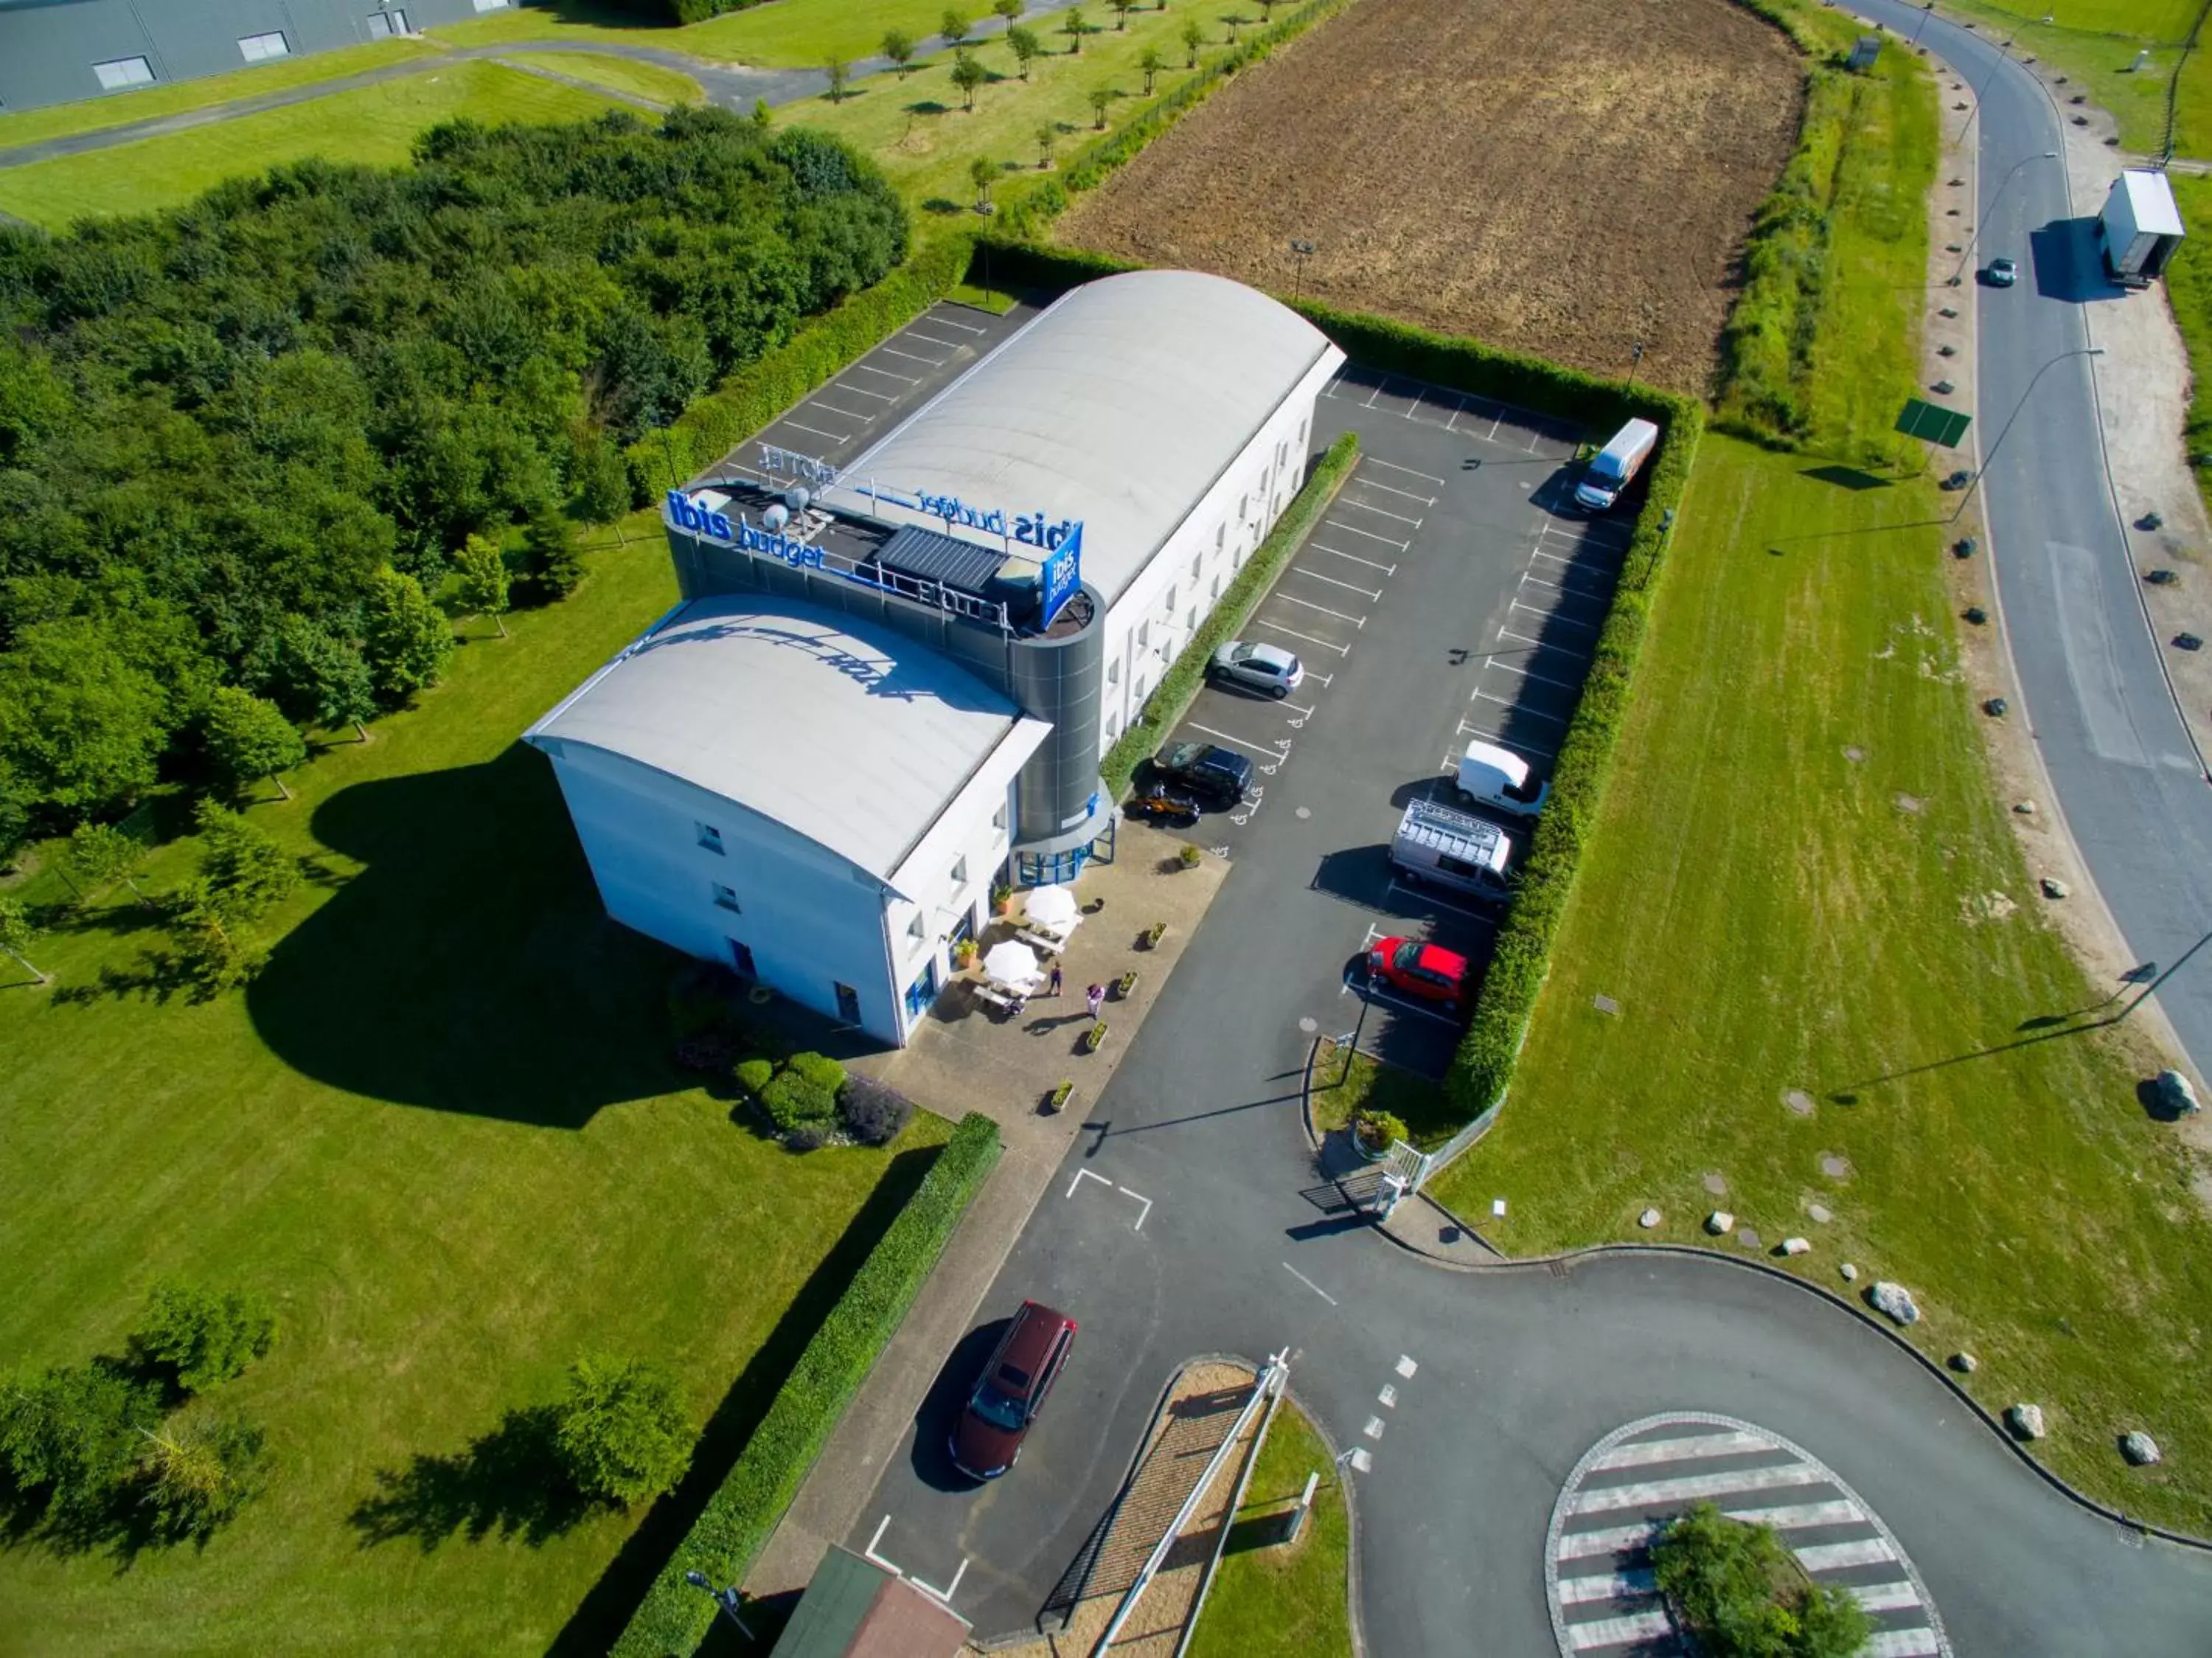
[1982, 219]
[1983, 472]
[2004, 53]
[727, 1600]
[1635, 357]
[1301, 250]
[1926, 12]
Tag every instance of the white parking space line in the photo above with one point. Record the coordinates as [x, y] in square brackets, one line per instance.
[941, 321]
[1309, 1284]
[1420, 896]
[849, 414]
[1560, 558]
[1496, 421]
[1388, 540]
[893, 350]
[862, 391]
[1406, 1004]
[1141, 1198]
[1451, 420]
[1294, 709]
[1521, 744]
[1373, 460]
[800, 425]
[1559, 586]
[1531, 673]
[882, 1525]
[888, 373]
[1322, 546]
[1081, 1175]
[1225, 736]
[951, 1589]
[1316, 575]
[1376, 392]
[1385, 513]
[1311, 639]
[1554, 616]
[932, 339]
[1425, 500]
[1357, 621]
[1511, 702]
[1542, 644]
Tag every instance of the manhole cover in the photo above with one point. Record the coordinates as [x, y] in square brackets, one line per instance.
[1799, 1102]
[1716, 1184]
[1835, 1168]
[1747, 1237]
[1606, 1004]
[1307, 1026]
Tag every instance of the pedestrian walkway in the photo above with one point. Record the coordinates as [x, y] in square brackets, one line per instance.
[1597, 1560]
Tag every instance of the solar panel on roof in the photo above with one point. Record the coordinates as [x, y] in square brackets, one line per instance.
[928, 556]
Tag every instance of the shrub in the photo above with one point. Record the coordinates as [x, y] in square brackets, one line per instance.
[824, 1072]
[70, 1437]
[807, 1137]
[203, 1337]
[874, 1112]
[1743, 1595]
[621, 1432]
[197, 1471]
[753, 1076]
[794, 1100]
[1378, 1129]
[1189, 856]
[730, 1531]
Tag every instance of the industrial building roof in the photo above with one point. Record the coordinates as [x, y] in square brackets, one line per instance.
[1119, 406]
[844, 732]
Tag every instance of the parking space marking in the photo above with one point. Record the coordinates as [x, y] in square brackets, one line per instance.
[1357, 621]
[849, 414]
[1140, 1225]
[1543, 645]
[951, 1589]
[1309, 1284]
[1374, 460]
[1316, 575]
[932, 339]
[1406, 1367]
[1531, 673]
[1520, 743]
[1081, 1175]
[893, 350]
[1554, 616]
[1559, 586]
[954, 322]
[800, 425]
[1422, 896]
[1376, 392]
[1311, 639]
[1295, 707]
[862, 391]
[1385, 512]
[1390, 540]
[1425, 500]
[888, 373]
[1570, 563]
[1509, 702]
[1225, 736]
[1322, 546]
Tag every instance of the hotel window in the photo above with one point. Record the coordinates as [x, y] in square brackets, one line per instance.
[1197, 560]
[1143, 635]
[848, 1004]
[998, 822]
[741, 958]
[122, 72]
[1113, 671]
[727, 900]
[1302, 436]
[260, 48]
[1217, 587]
[1190, 622]
[959, 873]
[710, 838]
[1243, 508]
[1168, 604]
[914, 929]
[1219, 530]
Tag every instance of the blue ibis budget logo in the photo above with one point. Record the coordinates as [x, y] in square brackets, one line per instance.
[1063, 572]
[687, 513]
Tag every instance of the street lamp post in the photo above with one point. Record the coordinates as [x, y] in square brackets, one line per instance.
[728, 1600]
[1635, 357]
[1302, 251]
[2004, 53]
[1926, 12]
[1982, 219]
[1983, 471]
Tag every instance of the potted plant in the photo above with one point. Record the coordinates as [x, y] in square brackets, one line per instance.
[1189, 856]
[1125, 984]
[1002, 897]
[963, 954]
[1094, 1037]
[1150, 938]
[1374, 1131]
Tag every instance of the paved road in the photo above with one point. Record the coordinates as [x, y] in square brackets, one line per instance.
[2120, 757]
[1194, 1237]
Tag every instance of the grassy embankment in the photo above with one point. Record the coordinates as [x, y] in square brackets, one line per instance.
[371, 124]
[443, 1134]
[1803, 882]
[2094, 43]
[1282, 1602]
[653, 80]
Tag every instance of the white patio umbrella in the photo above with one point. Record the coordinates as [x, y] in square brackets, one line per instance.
[1052, 906]
[1011, 963]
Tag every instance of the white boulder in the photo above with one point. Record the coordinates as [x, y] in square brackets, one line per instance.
[1895, 1301]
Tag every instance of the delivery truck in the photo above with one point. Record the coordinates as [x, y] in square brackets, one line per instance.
[1610, 470]
[2140, 227]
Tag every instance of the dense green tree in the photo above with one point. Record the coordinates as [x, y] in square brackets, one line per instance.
[982, 172]
[80, 727]
[18, 932]
[196, 1471]
[1072, 22]
[621, 1430]
[898, 46]
[968, 74]
[481, 568]
[323, 678]
[100, 854]
[249, 739]
[1006, 11]
[203, 1337]
[245, 872]
[1025, 46]
[552, 555]
[840, 71]
[409, 638]
[217, 950]
[599, 481]
[954, 26]
[69, 1438]
[1741, 1594]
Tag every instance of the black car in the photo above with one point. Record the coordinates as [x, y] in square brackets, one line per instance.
[1220, 776]
[1157, 802]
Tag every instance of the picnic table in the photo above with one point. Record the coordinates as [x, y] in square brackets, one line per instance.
[1050, 943]
[1010, 1000]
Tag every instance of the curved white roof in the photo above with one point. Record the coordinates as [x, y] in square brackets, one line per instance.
[1119, 406]
[845, 733]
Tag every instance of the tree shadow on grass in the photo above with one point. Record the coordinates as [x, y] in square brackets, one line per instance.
[507, 1483]
[590, 1631]
[469, 966]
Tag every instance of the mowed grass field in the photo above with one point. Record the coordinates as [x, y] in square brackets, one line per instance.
[654, 81]
[374, 124]
[783, 35]
[1801, 880]
[443, 1134]
[1289, 1602]
[2094, 43]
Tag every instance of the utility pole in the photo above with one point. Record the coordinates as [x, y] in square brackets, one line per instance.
[1982, 219]
[1302, 251]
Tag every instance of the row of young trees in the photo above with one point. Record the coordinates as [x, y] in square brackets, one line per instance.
[244, 444]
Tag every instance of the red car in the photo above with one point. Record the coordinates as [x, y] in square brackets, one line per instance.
[1010, 1392]
[1427, 972]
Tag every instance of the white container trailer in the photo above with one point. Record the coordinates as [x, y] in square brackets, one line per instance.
[2140, 227]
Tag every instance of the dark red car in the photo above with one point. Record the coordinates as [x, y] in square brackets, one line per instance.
[1427, 972]
[988, 1439]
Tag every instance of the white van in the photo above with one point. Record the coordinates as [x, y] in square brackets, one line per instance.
[1613, 466]
[1498, 779]
[1436, 845]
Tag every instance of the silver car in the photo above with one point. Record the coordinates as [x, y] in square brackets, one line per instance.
[1267, 668]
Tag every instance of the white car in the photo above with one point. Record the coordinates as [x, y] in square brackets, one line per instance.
[1268, 668]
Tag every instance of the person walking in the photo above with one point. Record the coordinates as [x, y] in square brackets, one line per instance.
[1096, 997]
[1051, 984]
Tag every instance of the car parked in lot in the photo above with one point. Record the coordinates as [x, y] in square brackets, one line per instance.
[986, 1441]
[1428, 973]
[1156, 802]
[1268, 669]
[1219, 775]
[2001, 273]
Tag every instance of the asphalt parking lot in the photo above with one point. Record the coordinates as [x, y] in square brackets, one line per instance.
[1443, 597]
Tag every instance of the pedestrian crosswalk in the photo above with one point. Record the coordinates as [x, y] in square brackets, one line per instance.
[1635, 1480]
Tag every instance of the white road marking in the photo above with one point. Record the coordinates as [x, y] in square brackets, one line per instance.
[951, 1589]
[849, 414]
[1789, 1516]
[1141, 1198]
[939, 320]
[1243, 742]
[1554, 616]
[1406, 1004]
[1606, 1586]
[1902, 1643]
[1081, 1175]
[862, 391]
[1309, 1284]
[893, 350]
[1311, 639]
[1559, 586]
[1504, 666]
[1406, 1367]
[1828, 1557]
[1690, 1487]
[1357, 621]
[1376, 392]
[1373, 460]
[1294, 707]
[870, 367]
[882, 1525]
[932, 339]
[1617, 1539]
[1514, 704]
[1543, 645]
[1322, 546]
[800, 425]
[1644, 1452]
[1886, 1597]
[1370, 483]
[1536, 751]
[1619, 1631]
[1425, 897]
[1388, 540]
[1388, 1398]
[1360, 1461]
[1382, 512]
[1375, 1428]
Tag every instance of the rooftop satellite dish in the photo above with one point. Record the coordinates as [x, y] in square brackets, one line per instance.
[796, 497]
[776, 517]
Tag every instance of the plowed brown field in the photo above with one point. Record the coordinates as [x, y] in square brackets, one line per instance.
[1562, 178]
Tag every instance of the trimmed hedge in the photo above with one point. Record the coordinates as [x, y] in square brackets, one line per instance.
[754, 396]
[1179, 683]
[730, 1530]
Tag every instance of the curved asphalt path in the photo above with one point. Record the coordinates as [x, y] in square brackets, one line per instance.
[2128, 779]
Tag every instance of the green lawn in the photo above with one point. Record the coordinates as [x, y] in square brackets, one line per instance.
[917, 130]
[2094, 43]
[1776, 915]
[663, 86]
[442, 1132]
[2188, 290]
[375, 125]
[1283, 1602]
[119, 109]
[1345, 1083]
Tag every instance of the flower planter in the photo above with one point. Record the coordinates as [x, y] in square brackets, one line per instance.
[1056, 1098]
[1151, 938]
[1125, 986]
[1094, 1037]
